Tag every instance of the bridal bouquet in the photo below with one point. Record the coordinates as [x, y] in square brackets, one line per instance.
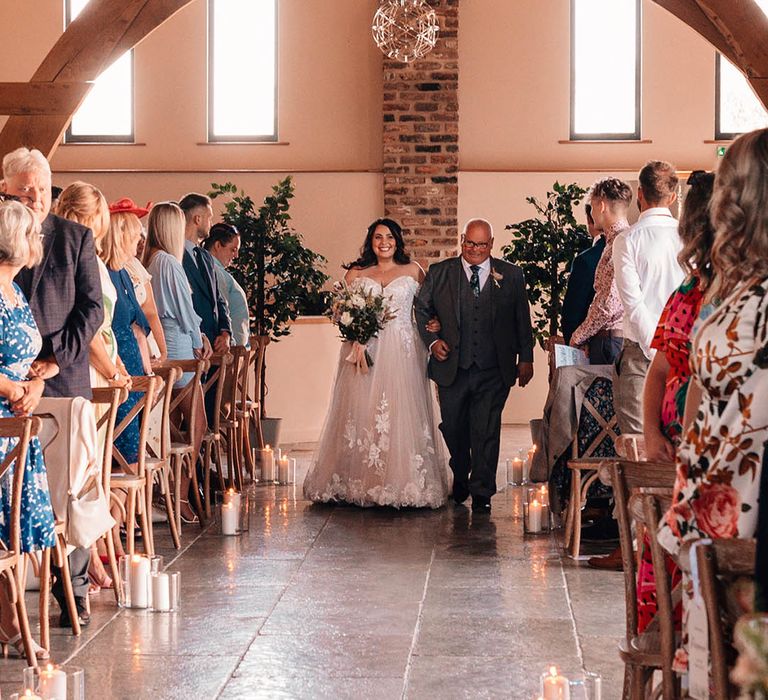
[359, 315]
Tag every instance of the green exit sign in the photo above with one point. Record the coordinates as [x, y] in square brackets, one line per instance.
[721, 151]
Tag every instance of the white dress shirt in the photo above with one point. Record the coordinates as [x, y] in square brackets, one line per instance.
[647, 272]
[484, 272]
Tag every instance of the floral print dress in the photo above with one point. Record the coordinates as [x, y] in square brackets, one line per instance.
[20, 342]
[719, 460]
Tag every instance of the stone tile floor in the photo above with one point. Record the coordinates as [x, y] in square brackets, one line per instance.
[340, 602]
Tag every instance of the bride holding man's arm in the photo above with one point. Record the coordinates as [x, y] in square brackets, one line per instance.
[380, 444]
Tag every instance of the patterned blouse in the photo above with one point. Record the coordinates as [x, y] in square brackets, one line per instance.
[606, 311]
[673, 338]
[720, 458]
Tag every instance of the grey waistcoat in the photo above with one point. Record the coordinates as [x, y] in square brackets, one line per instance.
[477, 346]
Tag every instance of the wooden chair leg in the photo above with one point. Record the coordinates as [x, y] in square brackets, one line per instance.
[568, 523]
[66, 580]
[144, 520]
[14, 580]
[219, 465]
[114, 569]
[207, 463]
[576, 514]
[192, 466]
[176, 465]
[169, 510]
[45, 599]
[130, 521]
[246, 449]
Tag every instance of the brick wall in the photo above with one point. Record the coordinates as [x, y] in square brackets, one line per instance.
[421, 142]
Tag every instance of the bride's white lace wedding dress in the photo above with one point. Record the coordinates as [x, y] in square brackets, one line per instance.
[380, 444]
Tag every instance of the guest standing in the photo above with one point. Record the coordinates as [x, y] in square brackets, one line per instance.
[581, 280]
[181, 325]
[64, 293]
[20, 343]
[646, 273]
[223, 243]
[601, 330]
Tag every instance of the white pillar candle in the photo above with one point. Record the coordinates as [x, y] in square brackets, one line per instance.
[268, 464]
[517, 471]
[29, 695]
[52, 683]
[534, 516]
[282, 470]
[229, 517]
[139, 581]
[161, 592]
[232, 496]
[554, 686]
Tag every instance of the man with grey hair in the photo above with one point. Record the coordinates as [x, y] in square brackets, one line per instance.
[64, 294]
[484, 346]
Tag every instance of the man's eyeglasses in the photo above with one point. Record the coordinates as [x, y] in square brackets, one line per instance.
[5, 197]
[473, 244]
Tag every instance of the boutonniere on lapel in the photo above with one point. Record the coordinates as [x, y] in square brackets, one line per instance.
[498, 278]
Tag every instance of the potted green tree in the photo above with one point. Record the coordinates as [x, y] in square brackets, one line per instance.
[544, 247]
[279, 274]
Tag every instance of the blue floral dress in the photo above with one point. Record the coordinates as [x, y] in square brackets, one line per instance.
[127, 312]
[20, 343]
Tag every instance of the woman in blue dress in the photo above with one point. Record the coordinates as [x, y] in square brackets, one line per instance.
[20, 343]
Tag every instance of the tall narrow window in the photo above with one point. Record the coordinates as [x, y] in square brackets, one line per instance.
[242, 83]
[106, 114]
[737, 110]
[605, 69]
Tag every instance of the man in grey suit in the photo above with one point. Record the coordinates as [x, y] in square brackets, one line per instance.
[484, 346]
[64, 294]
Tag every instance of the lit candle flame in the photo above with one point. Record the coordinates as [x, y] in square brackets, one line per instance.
[553, 671]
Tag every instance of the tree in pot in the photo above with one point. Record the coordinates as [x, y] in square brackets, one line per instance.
[276, 270]
[544, 248]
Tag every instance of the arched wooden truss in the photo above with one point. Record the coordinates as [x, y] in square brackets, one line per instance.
[736, 28]
[41, 109]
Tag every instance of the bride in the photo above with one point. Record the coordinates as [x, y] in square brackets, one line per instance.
[379, 445]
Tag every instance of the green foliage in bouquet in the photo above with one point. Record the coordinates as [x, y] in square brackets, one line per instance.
[544, 247]
[279, 273]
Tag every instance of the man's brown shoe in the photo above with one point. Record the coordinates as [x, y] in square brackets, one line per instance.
[610, 562]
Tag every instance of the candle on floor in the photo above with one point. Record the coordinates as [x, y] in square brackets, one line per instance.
[534, 516]
[52, 683]
[232, 496]
[161, 592]
[292, 473]
[528, 464]
[542, 494]
[29, 695]
[517, 471]
[282, 469]
[139, 581]
[554, 686]
[268, 464]
[229, 518]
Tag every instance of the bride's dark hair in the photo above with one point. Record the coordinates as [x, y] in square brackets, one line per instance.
[368, 257]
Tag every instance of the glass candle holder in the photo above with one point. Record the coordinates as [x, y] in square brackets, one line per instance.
[166, 591]
[267, 461]
[588, 687]
[228, 517]
[244, 522]
[51, 682]
[256, 466]
[554, 685]
[515, 471]
[135, 572]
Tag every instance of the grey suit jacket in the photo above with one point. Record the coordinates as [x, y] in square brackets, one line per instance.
[512, 332]
[64, 294]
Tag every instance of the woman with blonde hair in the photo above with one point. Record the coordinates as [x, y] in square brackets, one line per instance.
[181, 325]
[719, 460]
[128, 233]
[20, 343]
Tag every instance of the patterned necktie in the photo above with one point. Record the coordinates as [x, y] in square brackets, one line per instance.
[474, 280]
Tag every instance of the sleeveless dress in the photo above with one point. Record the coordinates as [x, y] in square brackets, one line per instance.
[380, 444]
[20, 343]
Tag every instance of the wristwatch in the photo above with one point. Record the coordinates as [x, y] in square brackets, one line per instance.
[116, 378]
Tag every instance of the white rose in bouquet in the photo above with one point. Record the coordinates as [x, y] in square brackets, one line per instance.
[346, 319]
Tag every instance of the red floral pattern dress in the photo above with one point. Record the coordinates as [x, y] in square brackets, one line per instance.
[719, 461]
[672, 337]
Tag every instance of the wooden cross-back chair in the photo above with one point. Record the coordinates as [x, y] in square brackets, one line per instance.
[641, 653]
[22, 430]
[244, 407]
[220, 377]
[131, 479]
[158, 462]
[181, 447]
[584, 472]
[719, 563]
[259, 345]
[227, 420]
[653, 503]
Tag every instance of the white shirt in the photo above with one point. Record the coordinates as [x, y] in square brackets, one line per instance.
[647, 272]
[484, 272]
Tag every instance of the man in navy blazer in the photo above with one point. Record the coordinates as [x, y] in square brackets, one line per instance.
[581, 282]
[64, 294]
[208, 301]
